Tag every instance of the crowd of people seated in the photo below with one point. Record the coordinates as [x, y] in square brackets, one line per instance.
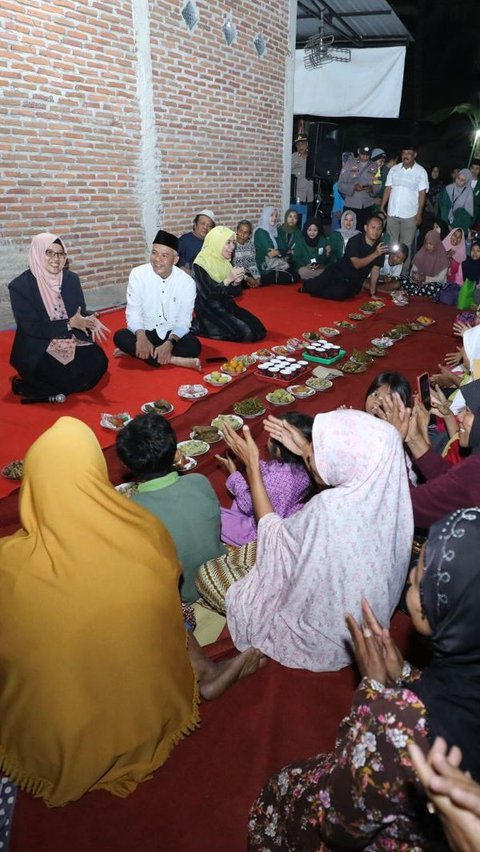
[308, 563]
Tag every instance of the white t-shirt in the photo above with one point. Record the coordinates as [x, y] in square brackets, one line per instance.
[405, 184]
[161, 304]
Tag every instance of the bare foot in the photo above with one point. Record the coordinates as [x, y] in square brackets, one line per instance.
[118, 353]
[191, 363]
[216, 678]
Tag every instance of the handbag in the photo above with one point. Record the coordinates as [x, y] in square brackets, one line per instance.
[276, 264]
[466, 295]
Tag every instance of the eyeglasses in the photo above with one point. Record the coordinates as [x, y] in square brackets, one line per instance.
[51, 254]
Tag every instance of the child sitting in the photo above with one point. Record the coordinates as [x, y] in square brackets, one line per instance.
[287, 481]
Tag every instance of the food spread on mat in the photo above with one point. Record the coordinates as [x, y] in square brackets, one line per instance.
[280, 397]
[210, 434]
[193, 447]
[157, 406]
[251, 407]
[232, 420]
[318, 384]
[115, 421]
[192, 391]
[301, 391]
[356, 316]
[344, 324]
[233, 367]
[328, 332]
[425, 320]
[217, 378]
[361, 357]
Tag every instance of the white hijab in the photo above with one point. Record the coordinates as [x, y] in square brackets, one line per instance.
[349, 541]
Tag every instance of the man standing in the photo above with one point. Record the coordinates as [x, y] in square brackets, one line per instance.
[304, 187]
[190, 244]
[405, 191]
[357, 187]
[160, 300]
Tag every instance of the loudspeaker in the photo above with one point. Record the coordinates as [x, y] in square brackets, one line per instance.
[324, 158]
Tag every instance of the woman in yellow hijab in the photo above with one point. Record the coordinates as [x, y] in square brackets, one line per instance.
[216, 313]
[97, 680]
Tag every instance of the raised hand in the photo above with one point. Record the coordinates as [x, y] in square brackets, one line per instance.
[368, 651]
[98, 330]
[393, 409]
[245, 448]
[288, 435]
[228, 463]
[391, 653]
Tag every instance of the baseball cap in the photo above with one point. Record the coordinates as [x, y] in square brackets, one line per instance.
[377, 153]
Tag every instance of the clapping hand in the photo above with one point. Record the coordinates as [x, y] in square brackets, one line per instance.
[445, 378]
[97, 329]
[227, 462]
[392, 409]
[453, 359]
[288, 435]
[440, 404]
[375, 651]
[459, 328]
[245, 448]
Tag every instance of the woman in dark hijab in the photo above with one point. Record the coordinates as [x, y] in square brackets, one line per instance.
[366, 794]
[312, 252]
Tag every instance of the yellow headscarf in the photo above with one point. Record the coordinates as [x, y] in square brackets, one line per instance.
[210, 257]
[96, 682]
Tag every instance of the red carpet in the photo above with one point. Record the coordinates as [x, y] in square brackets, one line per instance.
[200, 799]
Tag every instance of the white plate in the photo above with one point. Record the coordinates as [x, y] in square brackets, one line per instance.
[192, 391]
[199, 448]
[328, 331]
[226, 378]
[281, 350]
[312, 383]
[235, 421]
[284, 402]
[231, 373]
[382, 342]
[106, 421]
[262, 357]
[251, 416]
[189, 465]
[291, 389]
[149, 408]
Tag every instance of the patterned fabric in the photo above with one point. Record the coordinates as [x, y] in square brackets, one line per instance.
[430, 290]
[216, 576]
[363, 795]
[49, 285]
[351, 540]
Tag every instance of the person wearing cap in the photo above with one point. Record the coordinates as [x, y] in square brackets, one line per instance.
[304, 187]
[378, 156]
[190, 244]
[356, 183]
[405, 192]
[160, 301]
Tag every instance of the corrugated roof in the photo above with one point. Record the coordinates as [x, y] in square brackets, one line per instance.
[355, 23]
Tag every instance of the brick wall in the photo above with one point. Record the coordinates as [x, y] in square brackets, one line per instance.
[96, 151]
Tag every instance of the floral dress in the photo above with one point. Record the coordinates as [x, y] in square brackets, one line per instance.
[364, 795]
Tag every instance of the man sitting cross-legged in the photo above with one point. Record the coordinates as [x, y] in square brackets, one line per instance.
[160, 300]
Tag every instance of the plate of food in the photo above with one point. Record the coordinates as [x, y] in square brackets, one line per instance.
[250, 407]
[403, 328]
[425, 321]
[318, 384]
[233, 367]
[193, 447]
[382, 342]
[13, 470]
[361, 357]
[157, 406]
[192, 391]
[328, 332]
[115, 421]
[128, 489]
[262, 354]
[416, 326]
[247, 360]
[217, 379]
[376, 351]
[209, 433]
[311, 335]
[280, 397]
[184, 463]
[233, 420]
[344, 324]
[294, 343]
[393, 334]
[353, 367]
[369, 307]
[300, 391]
[281, 350]
[356, 316]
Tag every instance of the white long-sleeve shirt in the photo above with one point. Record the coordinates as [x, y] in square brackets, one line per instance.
[163, 304]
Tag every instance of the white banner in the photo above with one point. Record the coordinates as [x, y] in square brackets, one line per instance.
[369, 86]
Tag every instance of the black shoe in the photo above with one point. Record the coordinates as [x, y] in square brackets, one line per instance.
[17, 386]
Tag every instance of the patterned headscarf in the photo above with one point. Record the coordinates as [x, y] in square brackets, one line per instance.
[49, 285]
[450, 588]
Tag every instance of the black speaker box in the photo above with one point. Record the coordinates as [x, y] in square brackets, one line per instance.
[324, 159]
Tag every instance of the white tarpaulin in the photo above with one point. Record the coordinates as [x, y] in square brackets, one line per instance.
[370, 85]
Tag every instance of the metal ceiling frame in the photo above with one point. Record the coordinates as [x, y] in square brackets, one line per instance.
[340, 27]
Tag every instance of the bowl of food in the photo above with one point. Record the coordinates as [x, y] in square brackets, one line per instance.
[300, 391]
[280, 397]
[311, 335]
[217, 379]
[357, 317]
[318, 384]
[376, 351]
[13, 470]
[344, 324]
[233, 367]
[281, 350]
[157, 406]
[369, 307]
[361, 357]
[262, 354]
[193, 447]
[250, 407]
[382, 342]
[294, 343]
[233, 420]
[328, 332]
[210, 434]
[425, 321]
[192, 391]
[353, 367]
[115, 421]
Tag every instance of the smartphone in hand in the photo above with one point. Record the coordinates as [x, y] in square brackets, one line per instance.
[423, 387]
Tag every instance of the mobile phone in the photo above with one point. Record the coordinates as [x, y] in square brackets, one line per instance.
[215, 359]
[395, 247]
[423, 386]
